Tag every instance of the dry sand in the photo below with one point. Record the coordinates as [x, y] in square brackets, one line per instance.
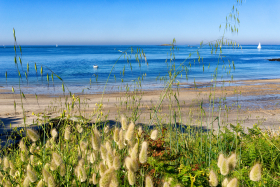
[258, 100]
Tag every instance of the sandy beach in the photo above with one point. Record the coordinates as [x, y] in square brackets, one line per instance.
[246, 102]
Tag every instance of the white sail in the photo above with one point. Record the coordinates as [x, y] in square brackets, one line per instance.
[259, 46]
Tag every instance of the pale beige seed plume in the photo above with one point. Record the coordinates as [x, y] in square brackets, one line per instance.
[256, 173]
[102, 168]
[51, 181]
[233, 183]
[131, 164]
[103, 152]
[54, 133]
[22, 146]
[53, 165]
[154, 135]
[28, 167]
[108, 147]
[134, 152]
[67, 133]
[95, 140]
[213, 179]
[12, 166]
[106, 178]
[116, 134]
[91, 157]
[166, 184]
[32, 160]
[47, 166]
[32, 135]
[57, 158]
[220, 159]
[143, 156]
[140, 131]
[114, 180]
[94, 179]
[79, 128]
[82, 176]
[117, 162]
[130, 132]
[6, 164]
[84, 146]
[232, 161]
[225, 182]
[32, 176]
[12, 172]
[62, 170]
[121, 139]
[110, 159]
[131, 177]
[149, 181]
[23, 156]
[32, 148]
[46, 175]
[224, 169]
[124, 123]
[26, 182]
[81, 162]
[40, 183]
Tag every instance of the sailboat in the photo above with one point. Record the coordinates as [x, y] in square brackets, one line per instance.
[56, 45]
[259, 46]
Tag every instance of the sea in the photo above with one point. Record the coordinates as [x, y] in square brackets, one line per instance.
[120, 67]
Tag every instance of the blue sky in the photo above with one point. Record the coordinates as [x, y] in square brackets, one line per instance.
[135, 22]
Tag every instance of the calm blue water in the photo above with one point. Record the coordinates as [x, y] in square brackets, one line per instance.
[74, 64]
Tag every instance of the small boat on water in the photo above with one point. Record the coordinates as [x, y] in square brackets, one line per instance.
[56, 45]
[259, 46]
[95, 66]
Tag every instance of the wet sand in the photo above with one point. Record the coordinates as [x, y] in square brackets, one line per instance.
[246, 102]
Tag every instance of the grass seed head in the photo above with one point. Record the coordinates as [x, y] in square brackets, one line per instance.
[116, 134]
[54, 133]
[154, 135]
[224, 167]
[134, 152]
[220, 159]
[26, 182]
[130, 131]
[143, 156]
[79, 128]
[67, 133]
[57, 159]
[131, 164]
[213, 179]
[256, 173]
[46, 175]
[102, 168]
[22, 146]
[53, 165]
[32, 135]
[106, 178]
[140, 131]
[110, 159]
[117, 162]
[233, 183]
[124, 123]
[32, 176]
[225, 182]
[232, 161]
[94, 179]
[131, 177]
[62, 170]
[40, 183]
[149, 181]
[166, 184]
[114, 180]
[82, 174]
[103, 152]
[121, 139]
[32, 148]
[51, 181]
[95, 140]
[6, 163]
[84, 145]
